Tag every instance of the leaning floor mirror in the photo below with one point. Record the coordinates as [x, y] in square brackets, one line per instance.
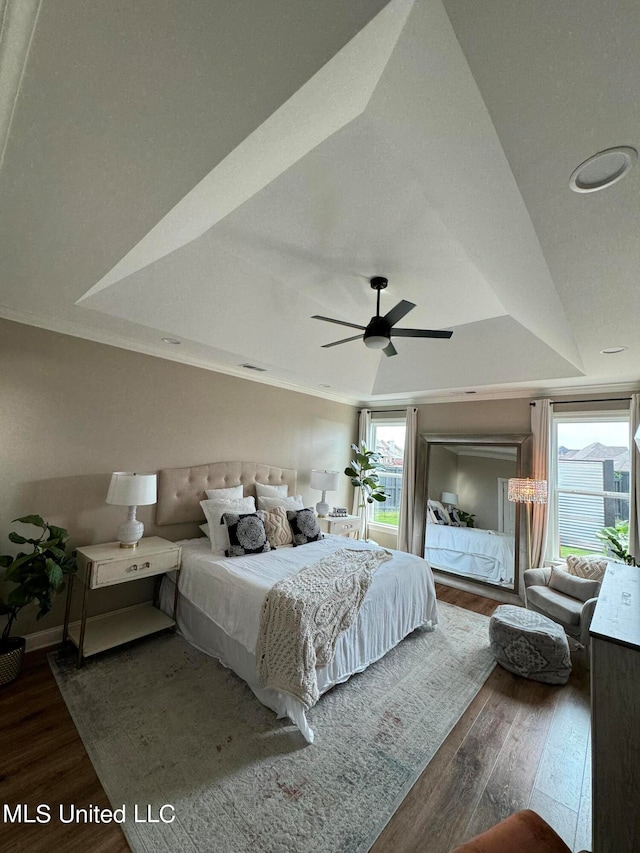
[465, 526]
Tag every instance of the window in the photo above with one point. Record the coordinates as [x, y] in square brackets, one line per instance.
[387, 439]
[591, 481]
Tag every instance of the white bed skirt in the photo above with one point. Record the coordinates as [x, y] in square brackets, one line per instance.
[355, 651]
[471, 552]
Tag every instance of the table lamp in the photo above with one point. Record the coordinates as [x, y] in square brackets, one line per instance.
[324, 481]
[449, 499]
[133, 490]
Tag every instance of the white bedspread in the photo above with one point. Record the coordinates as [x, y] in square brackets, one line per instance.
[227, 594]
[486, 554]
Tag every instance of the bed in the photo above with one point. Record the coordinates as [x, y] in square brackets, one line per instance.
[483, 554]
[220, 599]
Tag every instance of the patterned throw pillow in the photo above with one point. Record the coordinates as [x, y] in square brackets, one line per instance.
[304, 526]
[592, 568]
[246, 534]
[278, 528]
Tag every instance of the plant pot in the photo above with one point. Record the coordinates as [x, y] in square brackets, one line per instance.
[11, 658]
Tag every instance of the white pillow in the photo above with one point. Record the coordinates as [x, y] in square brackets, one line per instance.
[233, 493]
[441, 514]
[214, 510]
[204, 528]
[293, 502]
[263, 491]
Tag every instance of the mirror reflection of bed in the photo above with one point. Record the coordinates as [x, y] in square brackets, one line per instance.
[470, 529]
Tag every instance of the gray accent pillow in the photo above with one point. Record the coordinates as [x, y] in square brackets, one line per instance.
[579, 588]
[247, 534]
[304, 526]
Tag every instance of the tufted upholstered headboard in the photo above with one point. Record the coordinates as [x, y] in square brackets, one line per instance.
[180, 490]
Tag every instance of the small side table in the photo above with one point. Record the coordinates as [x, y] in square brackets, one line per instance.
[105, 565]
[341, 525]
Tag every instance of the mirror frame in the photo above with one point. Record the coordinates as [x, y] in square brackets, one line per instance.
[522, 442]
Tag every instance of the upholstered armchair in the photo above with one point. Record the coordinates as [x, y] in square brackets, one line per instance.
[565, 598]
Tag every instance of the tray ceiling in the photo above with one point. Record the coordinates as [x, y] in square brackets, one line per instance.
[218, 178]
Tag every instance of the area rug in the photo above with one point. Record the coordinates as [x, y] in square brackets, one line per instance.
[165, 725]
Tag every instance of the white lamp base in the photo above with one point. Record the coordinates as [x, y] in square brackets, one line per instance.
[130, 531]
[322, 507]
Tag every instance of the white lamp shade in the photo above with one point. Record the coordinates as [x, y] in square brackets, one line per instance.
[130, 489]
[325, 481]
[449, 498]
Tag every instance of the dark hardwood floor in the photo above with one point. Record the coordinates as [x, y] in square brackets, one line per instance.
[519, 744]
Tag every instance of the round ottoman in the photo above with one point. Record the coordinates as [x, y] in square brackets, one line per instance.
[530, 644]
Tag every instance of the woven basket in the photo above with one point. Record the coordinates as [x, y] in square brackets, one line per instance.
[11, 658]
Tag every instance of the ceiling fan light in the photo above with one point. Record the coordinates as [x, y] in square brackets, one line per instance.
[376, 341]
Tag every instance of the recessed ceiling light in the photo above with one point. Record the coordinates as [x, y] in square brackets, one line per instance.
[173, 341]
[612, 350]
[603, 169]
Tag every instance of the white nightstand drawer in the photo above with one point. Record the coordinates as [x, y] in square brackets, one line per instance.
[133, 566]
[340, 526]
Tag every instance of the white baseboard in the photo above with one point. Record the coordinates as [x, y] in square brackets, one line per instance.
[42, 639]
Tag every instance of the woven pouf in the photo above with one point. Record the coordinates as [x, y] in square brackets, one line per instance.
[530, 644]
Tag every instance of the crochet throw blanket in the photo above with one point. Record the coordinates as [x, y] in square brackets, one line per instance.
[303, 616]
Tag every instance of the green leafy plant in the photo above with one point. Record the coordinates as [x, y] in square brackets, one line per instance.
[467, 517]
[616, 541]
[37, 574]
[364, 472]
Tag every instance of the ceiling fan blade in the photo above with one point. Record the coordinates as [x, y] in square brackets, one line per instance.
[343, 341]
[339, 322]
[390, 349]
[421, 333]
[396, 314]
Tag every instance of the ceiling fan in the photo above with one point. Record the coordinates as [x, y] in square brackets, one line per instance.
[378, 332]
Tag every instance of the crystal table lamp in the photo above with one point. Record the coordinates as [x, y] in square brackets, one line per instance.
[133, 490]
[324, 481]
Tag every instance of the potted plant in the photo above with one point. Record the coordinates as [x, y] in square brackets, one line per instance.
[467, 518]
[364, 473]
[37, 574]
[616, 541]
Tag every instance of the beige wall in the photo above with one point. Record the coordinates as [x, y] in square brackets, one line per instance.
[443, 472]
[468, 416]
[477, 487]
[73, 411]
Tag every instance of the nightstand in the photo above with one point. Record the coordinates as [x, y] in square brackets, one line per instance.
[341, 525]
[100, 566]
